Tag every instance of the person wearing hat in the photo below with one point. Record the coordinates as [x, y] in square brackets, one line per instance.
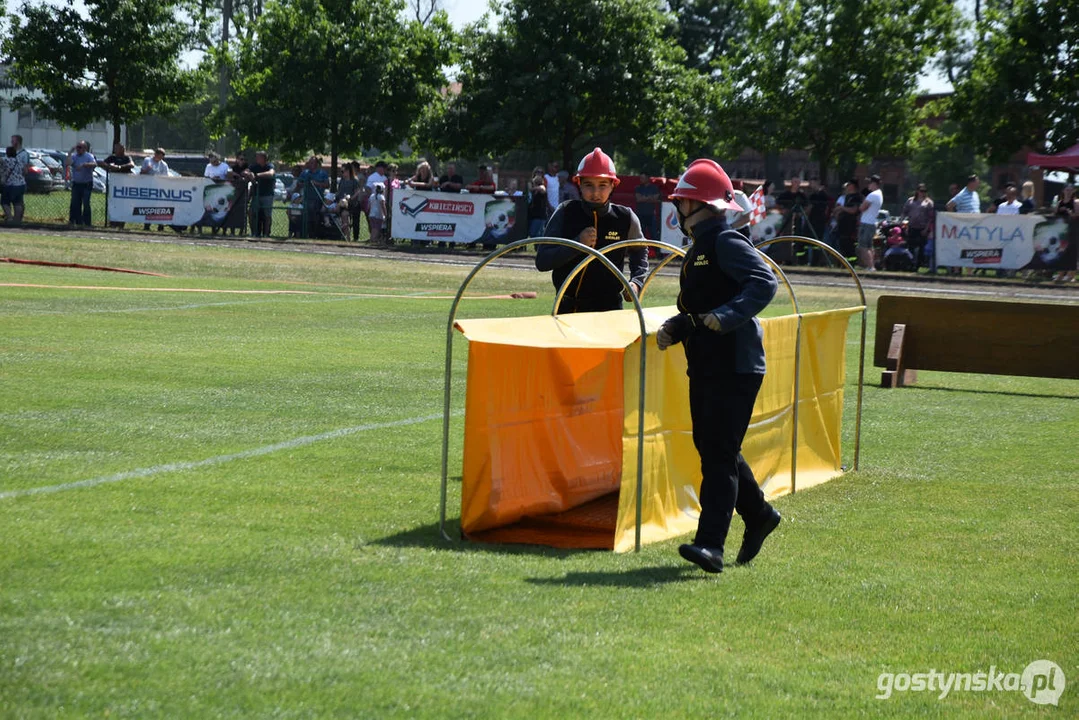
[724, 284]
[920, 216]
[867, 227]
[596, 222]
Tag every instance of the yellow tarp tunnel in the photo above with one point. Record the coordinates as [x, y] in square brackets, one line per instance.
[551, 425]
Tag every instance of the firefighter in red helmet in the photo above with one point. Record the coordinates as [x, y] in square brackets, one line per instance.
[724, 283]
[596, 222]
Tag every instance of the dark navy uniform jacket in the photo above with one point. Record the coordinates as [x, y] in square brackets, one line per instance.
[723, 273]
[595, 289]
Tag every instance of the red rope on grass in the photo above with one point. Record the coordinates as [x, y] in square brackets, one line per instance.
[79, 266]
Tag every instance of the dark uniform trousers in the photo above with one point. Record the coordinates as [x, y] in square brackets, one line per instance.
[721, 407]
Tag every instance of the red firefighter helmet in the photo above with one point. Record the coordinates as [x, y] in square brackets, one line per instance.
[596, 164]
[706, 181]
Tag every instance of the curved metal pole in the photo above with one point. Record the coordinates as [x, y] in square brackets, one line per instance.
[506, 249]
[620, 245]
[865, 317]
[677, 252]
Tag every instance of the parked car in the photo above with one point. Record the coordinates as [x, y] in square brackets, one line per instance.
[287, 181]
[99, 179]
[56, 155]
[38, 176]
[56, 168]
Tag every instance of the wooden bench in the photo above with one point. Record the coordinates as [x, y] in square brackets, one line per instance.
[974, 336]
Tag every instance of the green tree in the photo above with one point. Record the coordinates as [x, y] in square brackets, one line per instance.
[708, 29]
[1021, 87]
[118, 61]
[560, 75]
[835, 77]
[939, 158]
[342, 75]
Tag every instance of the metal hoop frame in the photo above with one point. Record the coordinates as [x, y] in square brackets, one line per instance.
[831, 251]
[600, 255]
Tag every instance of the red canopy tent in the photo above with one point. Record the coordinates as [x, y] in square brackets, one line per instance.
[1067, 160]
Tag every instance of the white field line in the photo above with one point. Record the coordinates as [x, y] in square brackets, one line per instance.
[190, 306]
[217, 460]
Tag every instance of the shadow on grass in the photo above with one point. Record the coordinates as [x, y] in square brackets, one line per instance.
[639, 578]
[941, 388]
[427, 536]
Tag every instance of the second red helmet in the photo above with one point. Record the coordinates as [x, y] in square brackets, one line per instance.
[706, 181]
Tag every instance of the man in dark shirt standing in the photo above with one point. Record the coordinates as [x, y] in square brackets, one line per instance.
[450, 180]
[792, 202]
[118, 163]
[846, 215]
[263, 175]
[647, 195]
[819, 204]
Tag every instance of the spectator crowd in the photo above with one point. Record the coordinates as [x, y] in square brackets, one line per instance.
[851, 222]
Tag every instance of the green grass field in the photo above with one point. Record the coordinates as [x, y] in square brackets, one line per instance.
[259, 539]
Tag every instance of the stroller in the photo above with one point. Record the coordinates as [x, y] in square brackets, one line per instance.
[328, 219]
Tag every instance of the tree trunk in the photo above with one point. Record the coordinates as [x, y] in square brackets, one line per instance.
[567, 148]
[116, 121]
[223, 89]
[824, 156]
[333, 155]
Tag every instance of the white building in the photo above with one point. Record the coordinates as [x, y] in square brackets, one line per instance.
[42, 133]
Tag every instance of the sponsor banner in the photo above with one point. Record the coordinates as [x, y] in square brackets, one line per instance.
[670, 233]
[180, 201]
[459, 218]
[156, 199]
[763, 230]
[1005, 242]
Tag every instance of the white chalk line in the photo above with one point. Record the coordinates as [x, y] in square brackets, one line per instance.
[189, 306]
[218, 460]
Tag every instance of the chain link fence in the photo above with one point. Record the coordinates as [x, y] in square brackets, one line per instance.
[263, 216]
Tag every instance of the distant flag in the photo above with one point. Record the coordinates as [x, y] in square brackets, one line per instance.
[756, 205]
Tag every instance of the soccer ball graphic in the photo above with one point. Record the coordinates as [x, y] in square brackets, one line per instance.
[1051, 242]
[217, 199]
[499, 216]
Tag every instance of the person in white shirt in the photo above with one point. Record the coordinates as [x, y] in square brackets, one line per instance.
[215, 169]
[1011, 204]
[378, 176]
[867, 229]
[552, 182]
[155, 165]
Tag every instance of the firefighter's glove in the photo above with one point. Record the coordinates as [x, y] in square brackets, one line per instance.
[676, 329]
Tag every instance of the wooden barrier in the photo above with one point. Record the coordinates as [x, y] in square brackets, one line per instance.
[974, 336]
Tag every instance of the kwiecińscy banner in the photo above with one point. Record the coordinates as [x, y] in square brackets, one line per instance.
[1006, 242]
[457, 217]
[180, 201]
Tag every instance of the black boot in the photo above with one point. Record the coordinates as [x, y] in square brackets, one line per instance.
[709, 559]
[757, 530]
